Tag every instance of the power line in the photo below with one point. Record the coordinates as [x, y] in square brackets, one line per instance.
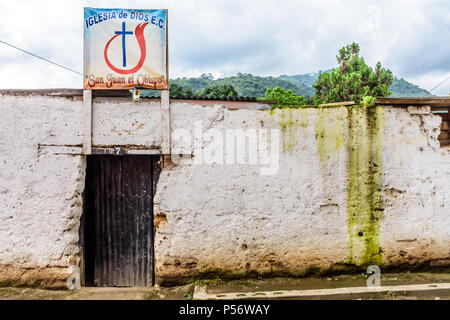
[439, 84]
[36, 56]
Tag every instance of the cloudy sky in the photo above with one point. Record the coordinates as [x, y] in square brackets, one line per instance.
[223, 37]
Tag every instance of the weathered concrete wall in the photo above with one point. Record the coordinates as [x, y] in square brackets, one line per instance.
[123, 123]
[40, 194]
[355, 186]
[42, 177]
[351, 185]
[415, 226]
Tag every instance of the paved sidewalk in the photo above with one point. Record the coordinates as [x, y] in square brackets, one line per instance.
[424, 290]
[393, 286]
[435, 286]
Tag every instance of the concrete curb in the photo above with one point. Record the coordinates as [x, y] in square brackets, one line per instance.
[200, 293]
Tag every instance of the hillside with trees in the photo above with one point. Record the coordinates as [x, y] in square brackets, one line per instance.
[353, 79]
[248, 85]
[403, 88]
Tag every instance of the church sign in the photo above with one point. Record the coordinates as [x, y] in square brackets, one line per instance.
[125, 49]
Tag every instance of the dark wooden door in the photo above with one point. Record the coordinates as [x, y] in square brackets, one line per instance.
[118, 220]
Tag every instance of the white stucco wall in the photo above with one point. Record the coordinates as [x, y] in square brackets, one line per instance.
[40, 193]
[218, 216]
[42, 177]
[416, 223]
[233, 220]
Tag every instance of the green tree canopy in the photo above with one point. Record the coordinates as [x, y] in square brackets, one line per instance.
[180, 92]
[353, 79]
[218, 91]
[284, 97]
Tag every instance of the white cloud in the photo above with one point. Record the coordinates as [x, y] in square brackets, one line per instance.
[431, 80]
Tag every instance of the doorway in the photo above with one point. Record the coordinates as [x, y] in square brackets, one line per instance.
[117, 231]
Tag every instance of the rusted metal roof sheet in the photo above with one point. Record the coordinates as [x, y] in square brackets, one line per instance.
[428, 101]
[115, 93]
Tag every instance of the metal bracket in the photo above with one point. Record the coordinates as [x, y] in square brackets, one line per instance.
[136, 95]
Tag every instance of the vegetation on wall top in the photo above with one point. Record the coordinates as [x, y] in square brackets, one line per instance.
[353, 79]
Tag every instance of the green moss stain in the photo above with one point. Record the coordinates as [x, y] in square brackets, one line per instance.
[363, 140]
[290, 120]
[304, 117]
[330, 131]
[304, 121]
[288, 129]
[271, 111]
[364, 182]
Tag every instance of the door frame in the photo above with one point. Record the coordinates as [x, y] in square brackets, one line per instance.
[87, 221]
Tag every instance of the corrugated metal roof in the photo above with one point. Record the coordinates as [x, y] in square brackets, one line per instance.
[115, 93]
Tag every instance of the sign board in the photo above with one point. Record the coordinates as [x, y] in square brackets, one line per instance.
[125, 48]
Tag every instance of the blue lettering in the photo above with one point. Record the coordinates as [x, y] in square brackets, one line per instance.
[141, 16]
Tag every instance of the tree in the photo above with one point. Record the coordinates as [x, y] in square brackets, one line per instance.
[284, 97]
[218, 91]
[353, 79]
[208, 77]
[180, 92]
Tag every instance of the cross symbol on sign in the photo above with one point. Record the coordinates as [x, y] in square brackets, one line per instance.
[124, 33]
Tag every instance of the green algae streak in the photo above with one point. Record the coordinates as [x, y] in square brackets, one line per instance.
[290, 119]
[330, 131]
[364, 173]
[359, 129]
[364, 182]
[288, 129]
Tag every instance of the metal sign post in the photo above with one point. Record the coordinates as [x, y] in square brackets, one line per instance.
[165, 102]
